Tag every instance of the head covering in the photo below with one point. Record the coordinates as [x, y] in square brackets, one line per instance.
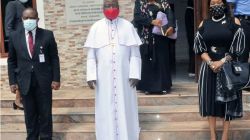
[109, 3]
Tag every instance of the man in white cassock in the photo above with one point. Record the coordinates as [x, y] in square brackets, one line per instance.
[114, 68]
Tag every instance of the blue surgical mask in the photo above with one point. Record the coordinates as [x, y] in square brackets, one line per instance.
[23, 1]
[29, 24]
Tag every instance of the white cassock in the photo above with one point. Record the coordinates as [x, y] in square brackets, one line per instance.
[114, 58]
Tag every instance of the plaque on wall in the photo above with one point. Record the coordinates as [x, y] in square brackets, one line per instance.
[80, 12]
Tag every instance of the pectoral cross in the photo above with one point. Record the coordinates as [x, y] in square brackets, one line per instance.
[112, 44]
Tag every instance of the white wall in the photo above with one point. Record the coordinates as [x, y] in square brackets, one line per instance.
[40, 9]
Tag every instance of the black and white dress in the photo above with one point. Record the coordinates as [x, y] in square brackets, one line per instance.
[218, 38]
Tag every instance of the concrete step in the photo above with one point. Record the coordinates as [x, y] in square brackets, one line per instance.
[182, 94]
[173, 113]
[192, 130]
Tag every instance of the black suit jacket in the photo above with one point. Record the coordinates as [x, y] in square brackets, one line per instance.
[13, 16]
[20, 65]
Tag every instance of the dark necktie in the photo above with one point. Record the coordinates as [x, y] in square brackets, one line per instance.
[31, 45]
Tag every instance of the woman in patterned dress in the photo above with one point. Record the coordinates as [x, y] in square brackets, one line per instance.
[218, 40]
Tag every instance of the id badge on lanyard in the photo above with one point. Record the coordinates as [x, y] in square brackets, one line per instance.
[41, 55]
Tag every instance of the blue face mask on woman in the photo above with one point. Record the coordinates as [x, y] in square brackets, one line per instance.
[29, 24]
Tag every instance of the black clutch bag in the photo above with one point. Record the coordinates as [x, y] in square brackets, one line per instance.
[234, 76]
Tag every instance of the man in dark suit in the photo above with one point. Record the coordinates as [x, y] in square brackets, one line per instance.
[33, 67]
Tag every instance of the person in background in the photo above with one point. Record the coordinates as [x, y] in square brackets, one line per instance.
[219, 39]
[13, 16]
[156, 69]
[114, 68]
[241, 10]
[189, 22]
[13, 21]
[172, 42]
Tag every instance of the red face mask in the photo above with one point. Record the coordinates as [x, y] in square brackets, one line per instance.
[111, 13]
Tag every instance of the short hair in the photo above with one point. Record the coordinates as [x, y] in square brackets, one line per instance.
[32, 9]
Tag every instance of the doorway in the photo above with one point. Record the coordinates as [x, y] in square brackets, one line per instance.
[182, 72]
[200, 12]
[4, 40]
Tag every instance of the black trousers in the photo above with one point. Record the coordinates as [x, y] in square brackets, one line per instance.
[245, 24]
[172, 55]
[38, 112]
[189, 22]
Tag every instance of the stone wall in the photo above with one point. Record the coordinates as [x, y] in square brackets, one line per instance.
[4, 81]
[70, 39]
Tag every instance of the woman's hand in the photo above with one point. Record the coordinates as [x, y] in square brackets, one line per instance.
[169, 31]
[216, 66]
[157, 22]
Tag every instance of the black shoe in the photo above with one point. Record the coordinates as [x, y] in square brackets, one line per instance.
[16, 107]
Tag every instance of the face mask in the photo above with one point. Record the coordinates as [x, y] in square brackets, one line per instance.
[30, 24]
[111, 13]
[217, 10]
[23, 1]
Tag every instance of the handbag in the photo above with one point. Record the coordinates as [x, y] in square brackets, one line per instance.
[161, 30]
[234, 76]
